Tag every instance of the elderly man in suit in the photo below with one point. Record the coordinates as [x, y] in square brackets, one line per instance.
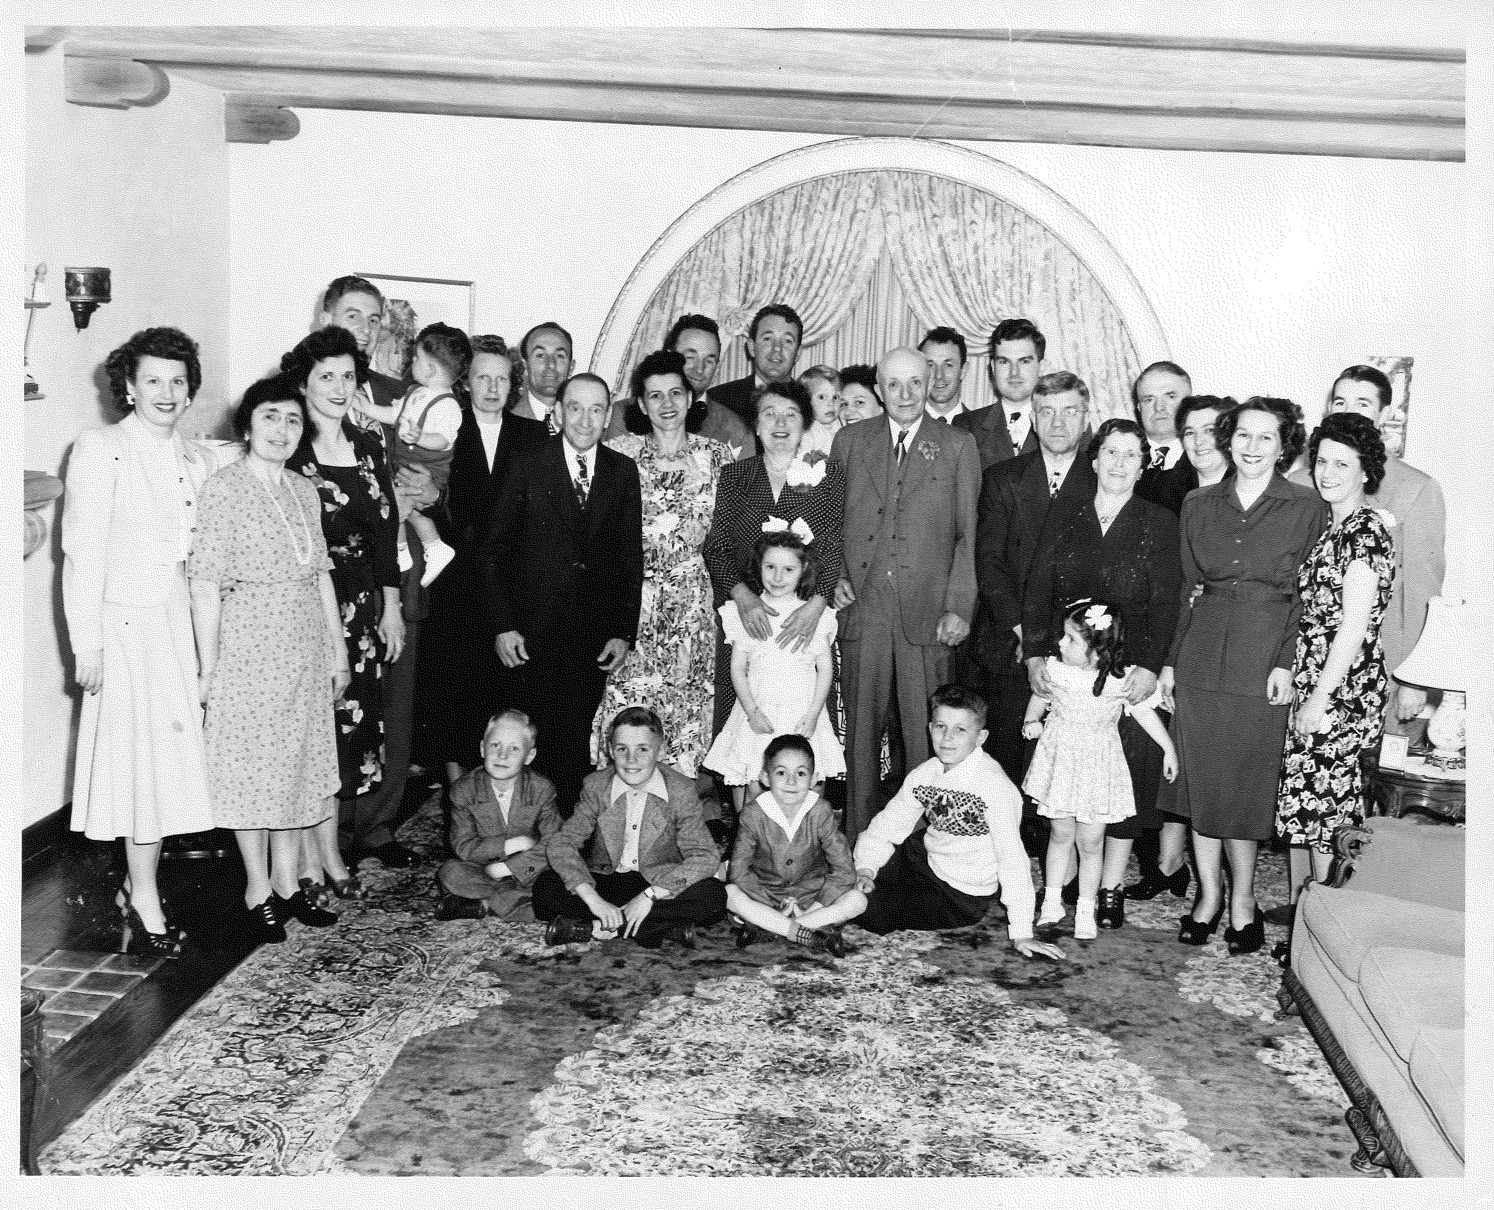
[1005, 429]
[649, 864]
[547, 353]
[563, 561]
[1015, 497]
[502, 815]
[1155, 396]
[367, 829]
[906, 585]
[773, 341]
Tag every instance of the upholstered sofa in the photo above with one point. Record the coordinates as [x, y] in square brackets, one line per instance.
[1377, 974]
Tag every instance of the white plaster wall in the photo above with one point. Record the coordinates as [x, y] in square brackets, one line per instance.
[1270, 273]
[145, 192]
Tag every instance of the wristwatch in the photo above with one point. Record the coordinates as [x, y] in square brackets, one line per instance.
[651, 893]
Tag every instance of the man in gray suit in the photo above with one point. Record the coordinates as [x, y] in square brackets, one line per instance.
[906, 585]
[1005, 429]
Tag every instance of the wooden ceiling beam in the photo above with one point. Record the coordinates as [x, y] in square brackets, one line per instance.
[1195, 94]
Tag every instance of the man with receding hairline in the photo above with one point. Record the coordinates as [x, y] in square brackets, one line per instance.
[906, 585]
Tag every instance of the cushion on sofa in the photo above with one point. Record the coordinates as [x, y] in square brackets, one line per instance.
[1406, 989]
[1348, 923]
[1437, 1072]
[1412, 859]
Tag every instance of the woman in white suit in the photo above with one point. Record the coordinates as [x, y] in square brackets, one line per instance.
[127, 525]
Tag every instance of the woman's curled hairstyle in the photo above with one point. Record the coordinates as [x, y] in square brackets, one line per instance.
[331, 341]
[1289, 426]
[1361, 435]
[169, 344]
[1100, 626]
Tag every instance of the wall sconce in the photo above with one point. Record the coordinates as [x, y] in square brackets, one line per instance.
[85, 289]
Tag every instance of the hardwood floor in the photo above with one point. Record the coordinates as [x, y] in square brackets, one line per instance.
[67, 904]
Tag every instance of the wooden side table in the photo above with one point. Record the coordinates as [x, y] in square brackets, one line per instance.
[1393, 792]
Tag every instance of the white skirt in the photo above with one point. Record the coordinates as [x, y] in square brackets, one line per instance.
[141, 764]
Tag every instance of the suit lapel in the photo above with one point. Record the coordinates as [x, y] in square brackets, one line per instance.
[521, 812]
[917, 464]
[875, 452]
[612, 823]
[1032, 485]
[995, 429]
[652, 826]
[562, 490]
[603, 488]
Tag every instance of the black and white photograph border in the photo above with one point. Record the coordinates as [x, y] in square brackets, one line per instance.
[448, 977]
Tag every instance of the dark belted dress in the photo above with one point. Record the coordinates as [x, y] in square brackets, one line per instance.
[1242, 624]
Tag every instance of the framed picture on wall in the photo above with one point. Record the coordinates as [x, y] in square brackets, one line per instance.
[410, 303]
[1395, 419]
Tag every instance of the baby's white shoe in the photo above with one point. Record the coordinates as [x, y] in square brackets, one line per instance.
[1085, 928]
[405, 561]
[1052, 911]
[437, 556]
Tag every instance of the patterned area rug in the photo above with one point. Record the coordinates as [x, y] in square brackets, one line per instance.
[262, 1076]
[393, 1043]
[877, 1065]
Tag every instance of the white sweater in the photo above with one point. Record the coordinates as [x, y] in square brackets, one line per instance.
[972, 840]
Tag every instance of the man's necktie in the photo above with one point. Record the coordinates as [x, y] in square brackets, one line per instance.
[1012, 418]
[583, 484]
[902, 448]
[1159, 457]
[1055, 481]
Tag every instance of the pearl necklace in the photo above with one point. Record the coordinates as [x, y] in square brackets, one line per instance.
[301, 559]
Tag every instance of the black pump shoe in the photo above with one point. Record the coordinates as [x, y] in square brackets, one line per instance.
[1248, 939]
[299, 907]
[141, 942]
[263, 926]
[1110, 908]
[1154, 882]
[1198, 932]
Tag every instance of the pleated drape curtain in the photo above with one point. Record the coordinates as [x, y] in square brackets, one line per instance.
[872, 260]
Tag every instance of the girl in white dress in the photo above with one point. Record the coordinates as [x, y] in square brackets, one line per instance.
[779, 690]
[1078, 774]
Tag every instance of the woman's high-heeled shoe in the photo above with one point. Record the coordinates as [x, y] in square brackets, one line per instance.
[299, 907]
[1110, 910]
[138, 940]
[1248, 939]
[350, 887]
[318, 893]
[1198, 932]
[262, 925]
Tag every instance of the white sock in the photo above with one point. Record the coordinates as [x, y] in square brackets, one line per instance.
[1052, 911]
[1085, 928]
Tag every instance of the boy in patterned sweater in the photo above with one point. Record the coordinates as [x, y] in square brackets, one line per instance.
[946, 876]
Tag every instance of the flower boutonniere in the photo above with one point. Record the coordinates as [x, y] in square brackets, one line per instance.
[806, 471]
[929, 450]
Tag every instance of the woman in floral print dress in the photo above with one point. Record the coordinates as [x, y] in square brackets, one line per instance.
[1339, 672]
[360, 523]
[672, 668]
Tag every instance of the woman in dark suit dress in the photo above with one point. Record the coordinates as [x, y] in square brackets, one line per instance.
[747, 494]
[1124, 549]
[461, 683]
[1229, 672]
[1162, 856]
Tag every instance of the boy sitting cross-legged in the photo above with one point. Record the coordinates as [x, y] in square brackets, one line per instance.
[502, 815]
[649, 859]
[946, 876]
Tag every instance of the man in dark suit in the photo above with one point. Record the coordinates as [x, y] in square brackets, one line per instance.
[945, 351]
[1015, 497]
[546, 350]
[1005, 429]
[461, 682]
[564, 578]
[1155, 395]
[906, 584]
[367, 829]
[772, 345]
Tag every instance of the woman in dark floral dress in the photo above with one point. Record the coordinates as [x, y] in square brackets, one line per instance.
[1339, 673]
[360, 523]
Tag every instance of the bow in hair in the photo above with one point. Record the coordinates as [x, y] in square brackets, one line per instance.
[776, 525]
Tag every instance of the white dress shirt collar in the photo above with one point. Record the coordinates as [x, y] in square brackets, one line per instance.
[773, 811]
[571, 454]
[654, 785]
[912, 432]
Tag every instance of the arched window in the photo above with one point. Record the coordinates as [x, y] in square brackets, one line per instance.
[874, 241]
